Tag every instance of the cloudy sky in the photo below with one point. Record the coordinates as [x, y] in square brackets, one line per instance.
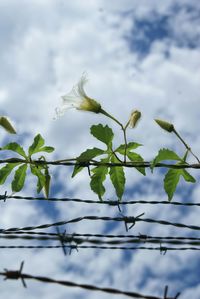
[138, 55]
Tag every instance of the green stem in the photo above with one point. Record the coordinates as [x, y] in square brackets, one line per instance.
[117, 157]
[122, 127]
[125, 140]
[185, 144]
[112, 117]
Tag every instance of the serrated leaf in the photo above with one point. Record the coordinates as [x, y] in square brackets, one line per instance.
[117, 178]
[36, 145]
[15, 147]
[165, 154]
[130, 146]
[5, 171]
[102, 133]
[172, 178]
[19, 178]
[187, 176]
[171, 181]
[37, 171]
[97, 179]
[86, 156]
[136, 158]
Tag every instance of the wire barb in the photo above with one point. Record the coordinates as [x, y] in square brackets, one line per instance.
[61, 237]
[130, 219]
[163, 249]
[165, 294]
[4, 196]
[10, 274]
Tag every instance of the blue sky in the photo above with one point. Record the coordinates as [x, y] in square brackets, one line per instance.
[138, 55]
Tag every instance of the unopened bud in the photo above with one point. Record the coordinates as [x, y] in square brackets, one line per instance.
[165, 125]
[6, 124]
[134, 118]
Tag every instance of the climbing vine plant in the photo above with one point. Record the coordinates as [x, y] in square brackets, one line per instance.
[107, 161]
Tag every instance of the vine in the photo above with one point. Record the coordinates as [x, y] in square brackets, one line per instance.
[101, 162]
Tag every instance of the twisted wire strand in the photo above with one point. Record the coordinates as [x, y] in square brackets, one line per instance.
[140, 236]
[160, 248]
[108, 202]
[126, 220]
[78, 240]
[9, 274]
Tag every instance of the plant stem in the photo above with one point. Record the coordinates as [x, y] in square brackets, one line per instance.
[125, 140]
[112, 117]
[122, 127]
[117, 157]
[185, 144]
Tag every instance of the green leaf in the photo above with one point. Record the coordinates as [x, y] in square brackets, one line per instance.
[15, 147]
[187, 177]
[19, 178]
[97, 179]
[86, 156]
[172, 178]
[47, 183]
[136, 158]
[102, 133]
[47, 149]
[130, 146]
[89, 154]
[5, 171]
[76, 170]
[36, 145]
[185, 156]
[117, 177]
[165, 154]
[171, 181]
[37, 171]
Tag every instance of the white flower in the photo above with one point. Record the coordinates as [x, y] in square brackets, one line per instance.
[77, 98]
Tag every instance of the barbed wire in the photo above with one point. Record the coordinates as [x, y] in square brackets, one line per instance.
[162, 249]
[88, 235]
[126, 219]
[117, 241]
[4, 197]
[13, 274]
[73, 162]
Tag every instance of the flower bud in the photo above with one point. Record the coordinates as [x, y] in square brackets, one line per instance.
[134, 118]
[6, 124]
[165, 125]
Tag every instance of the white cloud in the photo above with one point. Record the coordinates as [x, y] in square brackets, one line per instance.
[46, 45]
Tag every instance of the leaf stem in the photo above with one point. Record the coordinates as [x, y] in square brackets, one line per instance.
[122, 127]
[117, 157]
[185, 144]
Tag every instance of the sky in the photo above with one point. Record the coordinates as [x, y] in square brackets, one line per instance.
[142, 55]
